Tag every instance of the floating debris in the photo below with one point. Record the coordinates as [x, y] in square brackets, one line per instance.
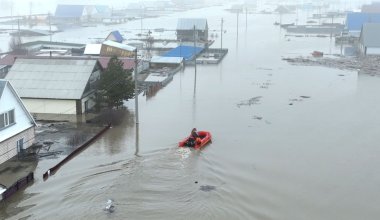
[109, 206]
[257, 117]
[305, 97]
[207, 188]
[251, 101]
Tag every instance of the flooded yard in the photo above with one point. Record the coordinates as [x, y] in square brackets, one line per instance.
[288, 141]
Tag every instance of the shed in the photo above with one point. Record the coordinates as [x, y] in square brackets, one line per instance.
[185, 29]
[186, 52]
[55, 85]
[369, 43]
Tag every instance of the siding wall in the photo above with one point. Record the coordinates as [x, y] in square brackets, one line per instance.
[373, 51]
[50, 106]
[8, 148]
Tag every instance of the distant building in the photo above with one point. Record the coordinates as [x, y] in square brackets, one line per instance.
[374, 7]
[111, 48]
[16, 124]
[55, 85]
[369, 43]
[80, 13]
[185, 29]
[355, 21]
[115, 36]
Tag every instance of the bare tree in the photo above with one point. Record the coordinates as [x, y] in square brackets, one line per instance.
[15, 45]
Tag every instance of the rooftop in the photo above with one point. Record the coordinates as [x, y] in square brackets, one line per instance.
[189, 23]
[119, 45]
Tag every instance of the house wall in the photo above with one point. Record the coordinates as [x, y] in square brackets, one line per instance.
[8, 102]
[113, 51]
[50, 106]
[188, 35]
[8, 148]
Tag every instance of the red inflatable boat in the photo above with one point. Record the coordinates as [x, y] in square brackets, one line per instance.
[205, 137]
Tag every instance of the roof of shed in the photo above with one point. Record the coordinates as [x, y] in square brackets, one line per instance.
[370, 35]
[187, 52]
[51, 78]
[355, 20]
[188, 24]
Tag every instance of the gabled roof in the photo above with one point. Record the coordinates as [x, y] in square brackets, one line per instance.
[355, 20]
[119, 45]
[51, 78]
[370, 35]
[69, 11]
[188, 24]
[3, 85]
[116, 35]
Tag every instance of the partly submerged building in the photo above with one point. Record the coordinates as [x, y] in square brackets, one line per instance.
[16, 124]
[355, 21]
[187, 26]
[55, 85]
[369, 42]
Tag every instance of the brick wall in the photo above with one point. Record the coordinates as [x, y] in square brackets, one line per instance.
[8, 148]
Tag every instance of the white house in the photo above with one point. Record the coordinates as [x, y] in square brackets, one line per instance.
[55, 85]
[16, 124]
[369, 42]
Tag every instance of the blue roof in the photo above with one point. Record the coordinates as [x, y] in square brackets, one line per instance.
[355, 20]
[187, 52]
[117, 36]
[69, 11]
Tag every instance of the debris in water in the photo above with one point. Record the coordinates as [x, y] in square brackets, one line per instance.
[109, 206]
[251, 101]
[305, 97]
[207, 188]
[257, 117]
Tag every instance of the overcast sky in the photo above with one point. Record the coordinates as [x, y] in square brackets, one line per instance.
[22, 7]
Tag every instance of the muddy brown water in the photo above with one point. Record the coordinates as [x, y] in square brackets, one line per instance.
[306, 149]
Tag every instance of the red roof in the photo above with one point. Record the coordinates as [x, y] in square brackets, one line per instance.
[8, 60]
[128, 63]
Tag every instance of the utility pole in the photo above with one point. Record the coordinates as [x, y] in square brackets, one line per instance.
[221, 36]
[136, 91]
[195, 60]
[49, 26]
[246, 17]
[237, 24]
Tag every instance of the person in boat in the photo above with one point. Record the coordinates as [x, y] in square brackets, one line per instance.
[194, 138]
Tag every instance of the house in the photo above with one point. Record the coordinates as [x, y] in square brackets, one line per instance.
[185, 29]
[374, 7]
[115, 36]
[369, 42]
[128, 63]
[16, 124]
[111, 48]
[62, 86]
[80, 13]
[355, 21]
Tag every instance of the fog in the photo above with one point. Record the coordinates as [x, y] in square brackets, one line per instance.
[22, 7]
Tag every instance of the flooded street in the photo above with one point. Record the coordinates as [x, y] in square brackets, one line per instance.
[289, 142]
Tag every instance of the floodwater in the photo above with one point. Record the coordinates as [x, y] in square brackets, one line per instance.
[289, 142]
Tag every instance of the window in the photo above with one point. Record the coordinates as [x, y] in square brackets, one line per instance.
[7, 118]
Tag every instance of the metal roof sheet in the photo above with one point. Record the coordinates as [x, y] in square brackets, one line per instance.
[117, 36]
[119, 45]
[370, 35]
[92, 49]
[2, 86]
[355, 20]
[187, 52]
[188, 24]
[51, 78]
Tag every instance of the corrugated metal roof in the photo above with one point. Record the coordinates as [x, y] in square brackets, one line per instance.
[69, 11]
[51, 78]
[188, 24]
[187, 52]
[92, 49]
[119, 45]
[370, 35]
[171, 60]
[355, 20]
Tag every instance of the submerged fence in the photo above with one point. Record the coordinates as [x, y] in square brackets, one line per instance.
[20, 184]
[54, 169]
